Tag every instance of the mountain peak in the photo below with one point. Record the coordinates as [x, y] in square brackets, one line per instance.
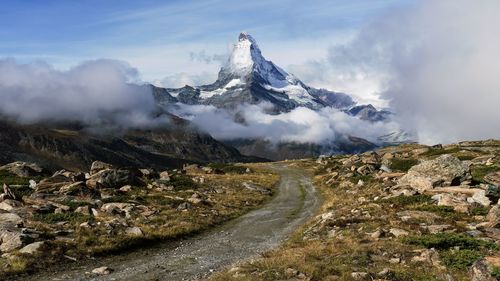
[244, 56]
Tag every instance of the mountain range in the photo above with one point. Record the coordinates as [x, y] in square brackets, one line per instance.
[246, 78]
[249, 78]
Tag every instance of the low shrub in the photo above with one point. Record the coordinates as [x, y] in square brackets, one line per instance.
[445, 241]
[403, 165]
[460, 259]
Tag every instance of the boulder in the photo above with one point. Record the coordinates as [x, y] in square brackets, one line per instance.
[23, 169]
[53, 183]
[134, 231]
[122, 209]
[98, 166]
[479, 271]
[493, 178]
[398, 232]
[493, 217]
[9, 205]
[445, 170]
[11, 237]
[112, 178]
[74, 188]
[164, 176]
[32, 248]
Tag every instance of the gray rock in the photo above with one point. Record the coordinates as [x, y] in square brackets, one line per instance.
[479, 271]
[23, 169]
[493, 178]
[134, 231]
[32, 248]
[445, 170]
[111, 178]
[103, 270]
[99, 166]
[74, 188]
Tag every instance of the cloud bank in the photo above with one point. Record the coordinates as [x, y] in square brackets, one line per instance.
[96, 92]
[436, 63]
[301, 125]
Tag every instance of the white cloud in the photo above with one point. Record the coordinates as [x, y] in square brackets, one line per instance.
[99, 92]
[301, 125]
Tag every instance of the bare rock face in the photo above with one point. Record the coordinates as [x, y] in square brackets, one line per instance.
[11, 237]
[98, 166]
[445, 170]
[23, 169]
[111, 178]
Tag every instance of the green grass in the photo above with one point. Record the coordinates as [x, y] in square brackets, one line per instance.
[435, 151]
[408, 200]
[445, 211]
[55, 218]
[478, 172]
[495, 272]
[403, 165]
[479, 211]
[464, 157]
[73, 204]
[445, 241]
[228, 168]
[12, 179]
[366, 179]
[182, 182]
[460, 259]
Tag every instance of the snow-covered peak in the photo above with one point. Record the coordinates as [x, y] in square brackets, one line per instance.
[245, 55]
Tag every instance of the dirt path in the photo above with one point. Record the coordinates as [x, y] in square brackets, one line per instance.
[197, 257]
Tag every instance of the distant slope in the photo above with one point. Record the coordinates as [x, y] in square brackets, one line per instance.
[73, 148]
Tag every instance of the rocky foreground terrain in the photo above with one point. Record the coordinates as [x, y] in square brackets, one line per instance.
[70, 216]
[409, 212]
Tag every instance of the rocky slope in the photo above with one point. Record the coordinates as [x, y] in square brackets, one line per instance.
[69, 216]
[73, 147]
[409, 212]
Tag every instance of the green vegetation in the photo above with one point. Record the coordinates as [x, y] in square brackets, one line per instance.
[460, 259]
[367, 179]
[479, 210]
[440, 151]
[12, 179]
[73, 204]
[479, 171]
[228, 168]
[444, 211]
[182, 182]
[408, 200]
[445, 241]
[495, 272]
[399, 164]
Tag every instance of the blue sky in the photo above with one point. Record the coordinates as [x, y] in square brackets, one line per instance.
[159, 37]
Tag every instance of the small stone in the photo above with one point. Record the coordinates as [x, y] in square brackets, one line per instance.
[395, 260]
[125, 188]
[398, 232]
[359, 275]
[164, 176]
[290, 272]
[134, 231]
[103, 270]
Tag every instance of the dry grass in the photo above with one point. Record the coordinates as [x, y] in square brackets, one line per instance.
[343, 245]
[223, 197]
